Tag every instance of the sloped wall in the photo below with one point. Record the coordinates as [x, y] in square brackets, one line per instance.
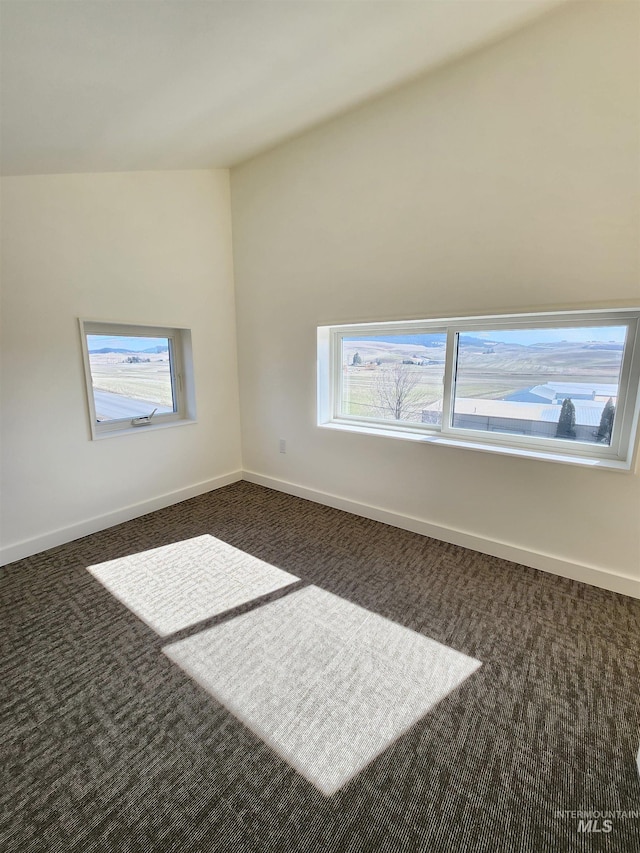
[508, 181]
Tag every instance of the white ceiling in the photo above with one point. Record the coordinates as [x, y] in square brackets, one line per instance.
[112, 85]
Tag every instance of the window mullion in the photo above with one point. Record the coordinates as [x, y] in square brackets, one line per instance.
[448, 380]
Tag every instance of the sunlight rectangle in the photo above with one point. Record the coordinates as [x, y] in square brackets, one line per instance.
[178, 585]
[327, 684]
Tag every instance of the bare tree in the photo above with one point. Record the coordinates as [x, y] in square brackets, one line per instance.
[398, 391]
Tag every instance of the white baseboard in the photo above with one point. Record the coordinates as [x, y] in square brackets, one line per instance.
[91, 525]
[592, 575]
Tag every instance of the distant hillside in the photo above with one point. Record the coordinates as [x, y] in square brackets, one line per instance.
[470, 341]
[154, 350]
[611, 346]
[478, 356]
[435, 340]
[560, 357]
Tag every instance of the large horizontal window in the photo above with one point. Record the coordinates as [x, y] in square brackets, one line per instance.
[137, 376]
[560, 385]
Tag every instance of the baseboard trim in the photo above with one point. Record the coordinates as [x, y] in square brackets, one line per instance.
[592, 575]
[29, 547]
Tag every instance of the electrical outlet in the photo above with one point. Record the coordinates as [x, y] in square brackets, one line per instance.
[283, 445]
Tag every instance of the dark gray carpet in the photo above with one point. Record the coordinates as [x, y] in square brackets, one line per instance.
[108, 746]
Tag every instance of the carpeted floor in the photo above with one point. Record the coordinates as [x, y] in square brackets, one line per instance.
[116, 738]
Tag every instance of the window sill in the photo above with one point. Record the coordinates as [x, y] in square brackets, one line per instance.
[502, 450]
[128, 430]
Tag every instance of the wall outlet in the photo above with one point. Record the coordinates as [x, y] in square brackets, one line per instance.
[283, 445]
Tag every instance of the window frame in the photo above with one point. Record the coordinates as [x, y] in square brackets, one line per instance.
[618, 454]
[180, 370]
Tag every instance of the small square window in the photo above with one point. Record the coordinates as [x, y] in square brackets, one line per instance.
[137, 376]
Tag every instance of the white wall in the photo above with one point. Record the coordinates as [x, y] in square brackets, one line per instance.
[505, 182]
[132, 247]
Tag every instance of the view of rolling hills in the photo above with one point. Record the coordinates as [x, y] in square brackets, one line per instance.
[378, 368]
[137, 370]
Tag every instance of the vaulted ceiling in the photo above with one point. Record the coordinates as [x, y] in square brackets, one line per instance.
[172, 84]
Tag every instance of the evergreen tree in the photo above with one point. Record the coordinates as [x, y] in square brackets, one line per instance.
[567, 420]
[357, 359]
[606, 422]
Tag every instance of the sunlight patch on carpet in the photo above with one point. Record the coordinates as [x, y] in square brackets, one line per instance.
[178, 585]
[327, 684]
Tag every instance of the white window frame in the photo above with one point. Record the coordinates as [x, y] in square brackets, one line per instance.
[181, 371]
[617, 455]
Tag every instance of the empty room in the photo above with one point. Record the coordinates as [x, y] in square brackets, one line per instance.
[320, 496]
